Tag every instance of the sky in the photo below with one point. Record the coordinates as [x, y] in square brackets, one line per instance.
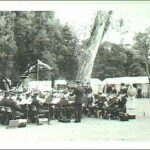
[80, 14]
[81, 21]
[135, 19]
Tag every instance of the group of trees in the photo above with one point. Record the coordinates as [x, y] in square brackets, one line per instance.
[28, 36]
[117, 60]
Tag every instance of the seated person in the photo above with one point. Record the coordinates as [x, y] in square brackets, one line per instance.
[7, 101]
[38, 104]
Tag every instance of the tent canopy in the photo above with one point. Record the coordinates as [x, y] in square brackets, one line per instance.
[127, 80]
[95, 81]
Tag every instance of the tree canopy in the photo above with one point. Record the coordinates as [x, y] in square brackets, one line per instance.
[28, 36]
[116, 61]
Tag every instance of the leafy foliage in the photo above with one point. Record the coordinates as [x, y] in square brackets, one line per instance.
[142, 46]
[28, 36]
[7, 43]
[115, 61]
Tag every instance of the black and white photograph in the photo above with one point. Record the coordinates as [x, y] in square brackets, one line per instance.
[75, 74]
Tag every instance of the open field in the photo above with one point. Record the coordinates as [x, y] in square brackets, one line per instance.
[90, 133]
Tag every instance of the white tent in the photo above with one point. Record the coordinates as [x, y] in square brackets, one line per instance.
[95, 81]
[40, 85]
[141, 81]
[127, 80]
[96, 85]
[45, 85]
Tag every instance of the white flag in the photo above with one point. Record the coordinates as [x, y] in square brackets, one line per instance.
[40, 63]
[31, 68]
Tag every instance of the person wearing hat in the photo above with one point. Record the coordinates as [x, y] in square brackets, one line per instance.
[88, 89]
[35, 101]
[79, 97]
[123, 89]
[37, 107]
[9, 102]
[88, 93]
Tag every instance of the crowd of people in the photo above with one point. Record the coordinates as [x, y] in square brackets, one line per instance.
[111, 89]
[74, 102]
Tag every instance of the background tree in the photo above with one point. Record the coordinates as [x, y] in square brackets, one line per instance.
[28, 36]
[39, 35]
[67, 56]
[110, 61]
[100, 27]
[142, 47]
[115, 60]
[7, 44]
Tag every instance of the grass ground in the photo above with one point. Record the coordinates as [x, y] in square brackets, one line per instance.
[90, 133]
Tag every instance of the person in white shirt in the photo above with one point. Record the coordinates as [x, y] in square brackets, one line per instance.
[131, 92]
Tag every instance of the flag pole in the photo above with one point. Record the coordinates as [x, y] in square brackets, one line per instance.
[37, 75]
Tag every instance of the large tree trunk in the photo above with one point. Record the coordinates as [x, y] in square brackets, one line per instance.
[87, 59]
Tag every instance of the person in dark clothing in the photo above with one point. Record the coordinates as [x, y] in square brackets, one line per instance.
[109, 89]
[9, 102]
[123, 89]
[100, 104]
[88, 89]
[37, 109]
[139, 93]
[38, 104]
[35, 101]
[88, 94]
[79, 96]
[13, 109]
[122, 103]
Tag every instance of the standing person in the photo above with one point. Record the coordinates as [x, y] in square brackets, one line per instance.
[131, 92]
[123, 89]
[109, 89]
[88, 90]
[88, 94]
[139, 92]
[79, 97]
[114, 91]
